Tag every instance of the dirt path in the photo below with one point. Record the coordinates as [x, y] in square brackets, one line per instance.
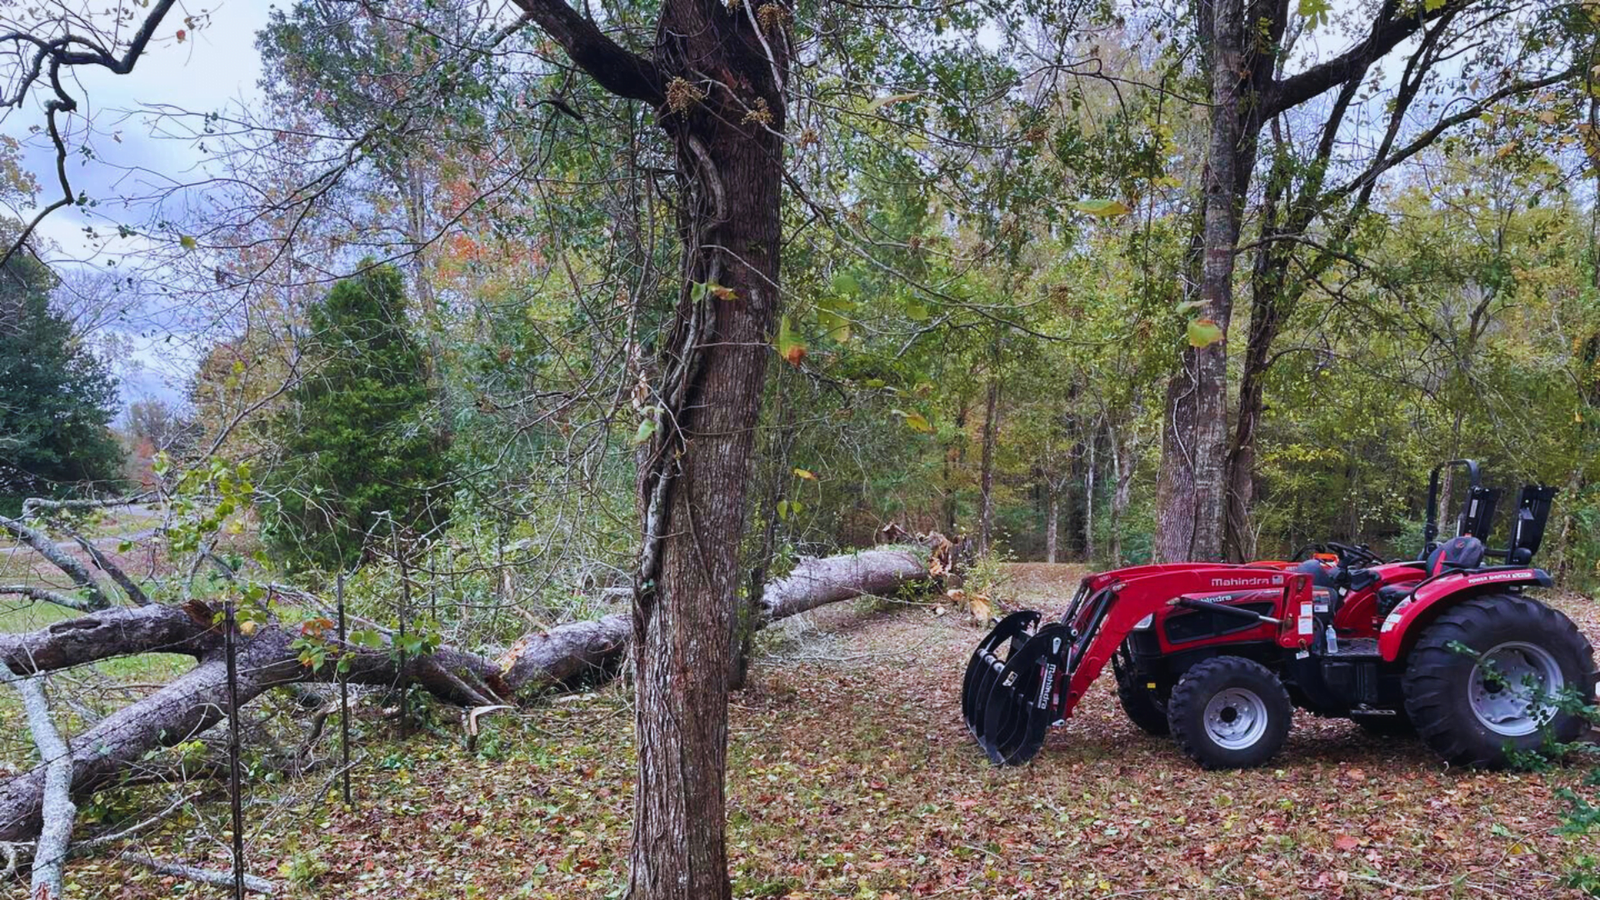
[851, 775]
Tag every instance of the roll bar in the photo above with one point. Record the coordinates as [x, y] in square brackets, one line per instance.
[1430, 531]
[1477, 515]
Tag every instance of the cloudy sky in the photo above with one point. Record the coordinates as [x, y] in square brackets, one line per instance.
[213, 68]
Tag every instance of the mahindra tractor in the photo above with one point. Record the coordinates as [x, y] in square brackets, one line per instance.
[1448, 645]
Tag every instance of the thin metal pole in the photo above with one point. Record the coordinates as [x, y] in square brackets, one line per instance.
[344, 694]
[405, 611]
[230, 650]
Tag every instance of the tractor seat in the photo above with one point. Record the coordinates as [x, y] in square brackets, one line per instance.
[1464, 552]
[1321, 575]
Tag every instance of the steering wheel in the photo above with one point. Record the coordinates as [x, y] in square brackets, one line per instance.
[1358, 556]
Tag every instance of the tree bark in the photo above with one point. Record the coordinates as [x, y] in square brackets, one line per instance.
[1191, 488]
[57, 811]
[729, 157]
[817, 582]
[717, 77]
[1052, 515]
[991, 414]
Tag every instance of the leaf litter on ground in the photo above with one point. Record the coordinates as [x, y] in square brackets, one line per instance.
[853, 776]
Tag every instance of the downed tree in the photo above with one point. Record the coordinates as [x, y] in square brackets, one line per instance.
[819, 581]
[195, 701]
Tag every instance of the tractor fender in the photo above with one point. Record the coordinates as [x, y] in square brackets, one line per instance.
[1429, 600]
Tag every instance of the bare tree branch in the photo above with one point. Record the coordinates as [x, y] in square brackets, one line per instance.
[34, 592]
[49, 57]
[619, 71]
[1395, 22]
[57, 809]
[63, 561]
[104, 564]
[253, 883]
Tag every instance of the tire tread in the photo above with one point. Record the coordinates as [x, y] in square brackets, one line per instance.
[1196, 688]
[1430, 683]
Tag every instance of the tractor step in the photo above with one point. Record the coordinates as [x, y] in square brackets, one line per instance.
[1355, 649]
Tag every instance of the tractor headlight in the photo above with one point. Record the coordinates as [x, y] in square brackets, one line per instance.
[1145, 622]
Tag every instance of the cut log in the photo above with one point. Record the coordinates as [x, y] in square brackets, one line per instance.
[565, 654]
[195, 701]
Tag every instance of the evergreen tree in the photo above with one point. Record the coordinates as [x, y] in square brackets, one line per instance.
[356, 452]
[56, 397]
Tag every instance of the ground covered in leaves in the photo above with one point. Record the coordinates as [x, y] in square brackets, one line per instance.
[851, 775]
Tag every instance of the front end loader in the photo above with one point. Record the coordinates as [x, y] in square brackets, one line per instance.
[1219, 655]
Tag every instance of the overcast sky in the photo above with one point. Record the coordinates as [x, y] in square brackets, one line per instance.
[216, 66]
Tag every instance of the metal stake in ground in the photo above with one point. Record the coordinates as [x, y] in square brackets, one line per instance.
[230, 650]
[344, 695]
[405, 611]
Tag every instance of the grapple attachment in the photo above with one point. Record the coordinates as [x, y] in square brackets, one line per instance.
[1012, 692]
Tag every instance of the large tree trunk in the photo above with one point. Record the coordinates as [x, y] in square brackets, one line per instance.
[1192, 484]
[1267, 310]
[816, 582]
[725, 108]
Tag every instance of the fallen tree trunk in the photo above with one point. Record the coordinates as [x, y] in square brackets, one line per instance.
[819, 581]
[195, 701]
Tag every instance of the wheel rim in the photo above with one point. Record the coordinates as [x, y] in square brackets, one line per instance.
[1511, 688]
[1236, 718]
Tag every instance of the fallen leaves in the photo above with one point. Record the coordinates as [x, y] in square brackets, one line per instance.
[857, 779]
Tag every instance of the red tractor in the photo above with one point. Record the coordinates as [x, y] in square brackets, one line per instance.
[1447, 645]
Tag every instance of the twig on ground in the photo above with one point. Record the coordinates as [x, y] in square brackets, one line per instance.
[141, 825]
[195, 873]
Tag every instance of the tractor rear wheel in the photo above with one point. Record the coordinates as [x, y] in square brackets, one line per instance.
[1142, 703]
[1480, 680]
[1229, 713]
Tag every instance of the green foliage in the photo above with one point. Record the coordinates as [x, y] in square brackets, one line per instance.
[358, 456]
[56, 397]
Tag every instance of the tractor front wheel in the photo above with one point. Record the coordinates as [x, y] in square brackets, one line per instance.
[1482, 681]
[1229, 713]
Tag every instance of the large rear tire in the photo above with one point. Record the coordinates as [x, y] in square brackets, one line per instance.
[1229, 713]
[1142, 703]
[1477, 681]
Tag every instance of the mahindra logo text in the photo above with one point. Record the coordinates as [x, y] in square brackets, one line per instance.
[1245, 582]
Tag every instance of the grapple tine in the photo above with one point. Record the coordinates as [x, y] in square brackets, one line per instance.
[993, 651]
[1024, 698]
